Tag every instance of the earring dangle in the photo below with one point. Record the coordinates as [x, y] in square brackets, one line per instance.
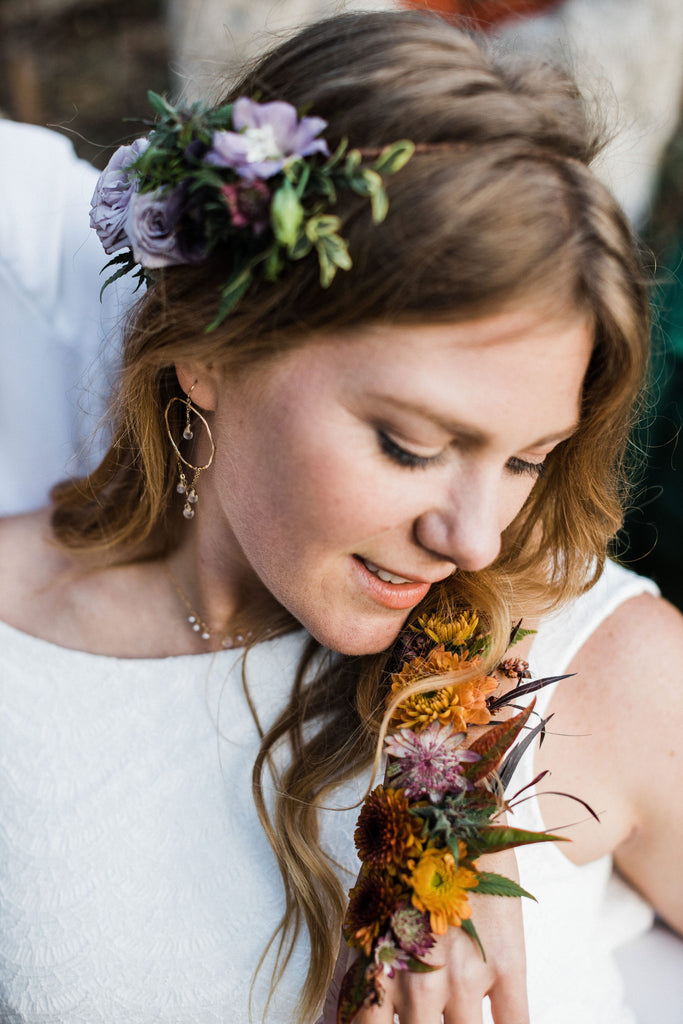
[188, 489]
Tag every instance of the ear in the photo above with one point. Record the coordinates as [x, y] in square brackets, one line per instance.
[202, 380]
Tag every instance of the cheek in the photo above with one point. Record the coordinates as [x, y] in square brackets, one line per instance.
[292, 489]
[515, 497]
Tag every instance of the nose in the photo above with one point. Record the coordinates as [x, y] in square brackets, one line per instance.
[463, 528]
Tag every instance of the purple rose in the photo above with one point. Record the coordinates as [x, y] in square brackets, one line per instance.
[266, 137]
[152, 227]
[112, 195]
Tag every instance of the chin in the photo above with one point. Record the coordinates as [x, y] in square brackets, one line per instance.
[357, 639]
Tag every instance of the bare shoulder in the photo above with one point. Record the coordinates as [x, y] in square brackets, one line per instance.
[119, 610]
[28, 555]
[621, 710]
[634, 655]
[34, 570]
[640, 648]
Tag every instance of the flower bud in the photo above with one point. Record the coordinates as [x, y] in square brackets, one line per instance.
[286, 215]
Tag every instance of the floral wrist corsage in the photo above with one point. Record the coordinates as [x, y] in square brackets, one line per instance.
[420, 833]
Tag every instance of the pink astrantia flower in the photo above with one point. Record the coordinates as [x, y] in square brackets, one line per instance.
[412, 930]
[429, 763]
[266, 136]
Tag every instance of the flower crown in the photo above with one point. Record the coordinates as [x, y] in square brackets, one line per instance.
[252, 178]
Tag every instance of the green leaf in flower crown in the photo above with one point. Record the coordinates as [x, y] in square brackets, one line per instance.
[125, 263]
[333, 255]
[491, 746]
[231, 295]
[490, 884]
[286, 214]
[353, 159]
[301, 248]
[220, 117]
[325, 186]
[500, 837]
[353, 991]
[300, 173]
[274, 263]
[322, 225]
[336, 157]
[394, 157]
[379, 204]
[161, 106]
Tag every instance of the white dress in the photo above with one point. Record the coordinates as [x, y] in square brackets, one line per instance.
[136, 885]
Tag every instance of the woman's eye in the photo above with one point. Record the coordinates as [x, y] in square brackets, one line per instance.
[402, 456]
[519, 467]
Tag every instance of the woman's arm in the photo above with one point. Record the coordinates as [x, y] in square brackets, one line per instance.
[616, 742]
[650, 856]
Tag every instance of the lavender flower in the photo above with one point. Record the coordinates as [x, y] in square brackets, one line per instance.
[111, 198]
[266, 137]
[429, 763]
[152, 227]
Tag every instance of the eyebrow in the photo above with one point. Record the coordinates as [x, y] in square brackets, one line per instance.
[470, 435]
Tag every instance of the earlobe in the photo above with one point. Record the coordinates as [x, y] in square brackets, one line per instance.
[203, 382]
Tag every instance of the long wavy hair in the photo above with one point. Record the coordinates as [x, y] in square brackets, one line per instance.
[497, 207]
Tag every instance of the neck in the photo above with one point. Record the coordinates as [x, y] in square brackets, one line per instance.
[218, 596]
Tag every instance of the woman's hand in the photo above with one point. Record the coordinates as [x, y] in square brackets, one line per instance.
[454, 993]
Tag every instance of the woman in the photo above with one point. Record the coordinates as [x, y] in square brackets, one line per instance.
[443, 425]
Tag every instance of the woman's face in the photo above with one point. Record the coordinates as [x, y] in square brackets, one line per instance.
[357, 470]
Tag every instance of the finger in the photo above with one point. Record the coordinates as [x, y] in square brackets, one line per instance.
[383, 1014]
[509, 1004]
[433, 998]
[461, 1010]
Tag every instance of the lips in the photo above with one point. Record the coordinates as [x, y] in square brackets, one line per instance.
[395, 592]
[383, 574]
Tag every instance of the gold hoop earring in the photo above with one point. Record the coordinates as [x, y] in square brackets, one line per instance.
[189, 490]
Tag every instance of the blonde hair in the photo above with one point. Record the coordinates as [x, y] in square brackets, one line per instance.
[497, 207]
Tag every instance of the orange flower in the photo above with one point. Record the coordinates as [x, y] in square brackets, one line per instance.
[456, 632]
[461, 704]
[387, 833]
[372, 901]
[440, 888]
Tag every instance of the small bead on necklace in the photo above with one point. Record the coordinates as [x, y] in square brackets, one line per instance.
[197, 624]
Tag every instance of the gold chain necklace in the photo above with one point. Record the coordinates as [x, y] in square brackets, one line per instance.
[198, 625]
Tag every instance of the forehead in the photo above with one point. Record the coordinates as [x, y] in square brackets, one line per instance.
[535, 338]
[517, 375]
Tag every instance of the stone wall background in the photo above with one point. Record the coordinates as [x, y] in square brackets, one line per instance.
[81, 66]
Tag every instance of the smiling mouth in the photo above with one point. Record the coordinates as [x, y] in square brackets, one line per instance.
[382, 574]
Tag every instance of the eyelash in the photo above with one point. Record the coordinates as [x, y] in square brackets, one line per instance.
[403, 457]
[519, 467]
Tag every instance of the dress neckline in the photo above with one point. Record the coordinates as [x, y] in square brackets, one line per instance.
[50, 648]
